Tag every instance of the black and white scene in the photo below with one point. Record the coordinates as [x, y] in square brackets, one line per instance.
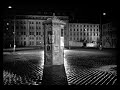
[59, 44]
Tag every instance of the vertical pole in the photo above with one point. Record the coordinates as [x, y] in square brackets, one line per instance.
[14, 35]
[100, 46]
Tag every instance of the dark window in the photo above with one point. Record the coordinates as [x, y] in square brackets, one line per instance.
[36, 27]
[24, 27]
[21, 33]
[17, 27]
[36, 33]
[24, 33]
[21, 27]
[24, 43]
[32, 42]
[62, 32]
[30, 33]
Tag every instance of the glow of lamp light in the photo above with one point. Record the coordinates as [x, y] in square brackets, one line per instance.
[104, 13]
[9, 7]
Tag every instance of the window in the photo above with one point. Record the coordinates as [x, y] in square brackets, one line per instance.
[17, 27]
[30, 27]
[87, 34]
[24, 27]
[21, 33]
[62, 32]
[36, 27]
[17, 22]
[24, 33]
[36, 38]
[30, 33]
[21, 22]
[21, 27]
[32, 42]
[24, 43]
[36, 33]
[38, 43]
[24, 22]
[39, 33]
[39, 38]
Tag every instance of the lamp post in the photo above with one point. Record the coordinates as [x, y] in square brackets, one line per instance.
[10, 7]
[100, 47]
[14, 36]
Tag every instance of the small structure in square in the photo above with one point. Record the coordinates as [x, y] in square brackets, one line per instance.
[53, 41]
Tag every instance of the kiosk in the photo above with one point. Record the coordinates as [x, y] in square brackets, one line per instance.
[53, 41]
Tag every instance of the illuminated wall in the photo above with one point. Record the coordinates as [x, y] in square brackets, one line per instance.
[29, 29]
[83, 31]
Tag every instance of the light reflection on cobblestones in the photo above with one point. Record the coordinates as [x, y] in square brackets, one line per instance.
[78, 72]
[23, 68]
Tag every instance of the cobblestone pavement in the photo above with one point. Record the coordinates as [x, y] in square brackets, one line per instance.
[81, 67]
[23, 68]
[90, 68]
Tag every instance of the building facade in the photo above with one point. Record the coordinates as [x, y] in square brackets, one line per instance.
[80, 32]
[109, 36]
[28, 30]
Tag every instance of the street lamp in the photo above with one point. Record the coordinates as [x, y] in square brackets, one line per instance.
[9, 6]
[14, 30]
[101, 28]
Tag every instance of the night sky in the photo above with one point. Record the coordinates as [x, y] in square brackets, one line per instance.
[77, 11]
